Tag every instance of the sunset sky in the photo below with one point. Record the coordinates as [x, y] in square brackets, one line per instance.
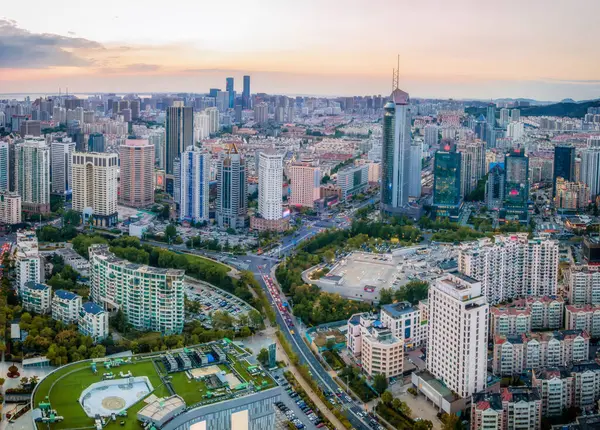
[543, 49]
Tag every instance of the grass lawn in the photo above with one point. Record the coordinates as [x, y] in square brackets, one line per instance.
[65, 394]
[191, 391]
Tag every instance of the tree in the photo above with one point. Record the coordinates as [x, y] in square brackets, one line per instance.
[387, 397]
[451, 422]
[380, 383]
[329, 256]
[72, 218]
[263, 356]
[165, 212]
[423, 425]
[222, 320]
[386, 296]
[171, 232]
[256, 319]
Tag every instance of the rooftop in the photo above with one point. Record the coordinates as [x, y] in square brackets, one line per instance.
[92, 308]
[35, 286]
[396, 310]
[103, 252]
[65, 295]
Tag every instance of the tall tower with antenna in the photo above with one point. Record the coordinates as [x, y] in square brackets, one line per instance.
[396, 149]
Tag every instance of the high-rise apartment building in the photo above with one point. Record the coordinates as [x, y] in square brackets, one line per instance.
[583, 284]
[564, 164]
[447, 183]
[213, 119]
[261, 113]
[353, 180]
[514, 408]
[512, 266]
[10, 208]
[504, 117]
[151, 298]
[571, 196]
[458, 310]
[194, 177]
[270, 184]
[305, 178]
[33, 175]
[137, 173]
[590, 170]
[246, 93]
[61, 168]
[395, 166]
[473, 164]
[431, 136]
[414, 180]
[180, 135]
[29, 264]
[5, 165]
[232, 189]
[95, 186]
[516, 188]
[30, 128]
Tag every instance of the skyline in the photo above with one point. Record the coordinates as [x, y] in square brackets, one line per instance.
[463, 50]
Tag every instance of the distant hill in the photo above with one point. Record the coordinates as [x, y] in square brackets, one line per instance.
[570, 109]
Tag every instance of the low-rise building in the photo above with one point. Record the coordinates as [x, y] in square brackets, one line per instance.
[487, 412]
[404, 320]
[547, 312]
[565, 387]
[93, 321]
[66, 306]
[584, 317]
[36, 297]
[514, 354]
[509, 321]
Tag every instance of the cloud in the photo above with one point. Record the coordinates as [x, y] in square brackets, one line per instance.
[20, 48]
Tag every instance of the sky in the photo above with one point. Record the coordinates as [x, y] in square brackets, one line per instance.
[541, 49]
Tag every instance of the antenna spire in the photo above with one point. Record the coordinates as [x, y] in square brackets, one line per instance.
[396, 76]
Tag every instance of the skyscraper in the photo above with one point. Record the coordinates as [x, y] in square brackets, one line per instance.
[494, 188]
[447, 188]
[516, 187]
[137, 173]
[270, 184]
[564, 165]
[194, 179]
[414, 182]
[305, 177]
[458, 310]
[5, 178]
[95, 187]
[180, 135]
[246, 93]
[96, 142]
[232, 189]
[61, 169]
[33, 175]
[395, 153]
[231, 92]
[261, 113]
[590, 170]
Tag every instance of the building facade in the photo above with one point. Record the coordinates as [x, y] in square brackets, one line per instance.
[93, 321]
[516, 188]
[584, 317]
[137, 173]
[62, 167]
[457, 305]
[10, 208]
[194, 177]
[36, 297]
[447, 185]
[584, 284]
[95, 183]
[405, 322]
[305, 177]
[66, 306]
[29, 264]
[270, 184]
[232, 189]
[33, 175]
[353, 180]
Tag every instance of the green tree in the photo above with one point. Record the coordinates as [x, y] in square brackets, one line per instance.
[386, 296]
[263, 356]
[329, 256]
[256, 319]
[221, 320]
[380, 383]
[171, 232]
[387, 397]
[72, 218]
[451, 422]
[423, 425]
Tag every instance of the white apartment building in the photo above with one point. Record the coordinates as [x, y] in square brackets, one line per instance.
[513, 354]
[194, 178]
[29, 265]
[6, 180]
[405, 322]
[514, 408]
[584, 317]
[270, 185]
[509, 321]
[305, 178]
[36, 297]
[93, 321]
[515, 130]
[151, 298]
[66, 306]
[590, 170]
[512, 266]
[61, 168]
[10, 208]
[32, 158]
[201, 126]
[95, 185]
[565, 387]
[213, 119]
[379, 351]
[458, 310]
[584, 284]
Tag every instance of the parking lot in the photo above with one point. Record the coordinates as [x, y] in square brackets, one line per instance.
[212, 299]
